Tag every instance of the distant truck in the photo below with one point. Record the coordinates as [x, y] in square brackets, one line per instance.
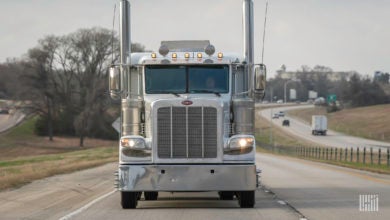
[319, 101]
[319, 125]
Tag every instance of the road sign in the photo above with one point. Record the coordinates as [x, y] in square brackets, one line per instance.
[293, 94]
[313, 94]
[331, 98]
[117, 124]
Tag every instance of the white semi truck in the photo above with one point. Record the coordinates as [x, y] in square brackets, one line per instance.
[319, 125]
[187, 117]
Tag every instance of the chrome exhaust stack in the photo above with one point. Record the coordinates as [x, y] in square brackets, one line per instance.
[132, 106]
[248, 30]
[243, 108]
[125, 44]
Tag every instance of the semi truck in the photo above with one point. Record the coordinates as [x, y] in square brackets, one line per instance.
[319, 125]
[187, 117]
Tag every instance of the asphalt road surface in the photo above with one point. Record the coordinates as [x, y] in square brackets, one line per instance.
[322, 191]
[302, 130]
[90, 194]
[8, 121]
[302, 189]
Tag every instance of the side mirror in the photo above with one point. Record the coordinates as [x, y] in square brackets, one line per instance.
[260, 80]
[114, 82]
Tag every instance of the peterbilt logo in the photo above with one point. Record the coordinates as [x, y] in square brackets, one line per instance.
[187, 102]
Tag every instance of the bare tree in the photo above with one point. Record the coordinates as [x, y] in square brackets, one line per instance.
[40, 80]
[65, 80]
[90, 58]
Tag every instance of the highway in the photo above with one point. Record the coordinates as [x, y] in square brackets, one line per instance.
[302, 189]
[8, 121]
[90, 194]
[302, 130]
[291, 189]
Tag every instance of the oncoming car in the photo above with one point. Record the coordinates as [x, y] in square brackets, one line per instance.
[4, 111]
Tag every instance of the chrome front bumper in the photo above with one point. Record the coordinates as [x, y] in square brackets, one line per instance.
[187, 177]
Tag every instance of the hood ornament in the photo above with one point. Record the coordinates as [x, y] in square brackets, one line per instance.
[187, 102]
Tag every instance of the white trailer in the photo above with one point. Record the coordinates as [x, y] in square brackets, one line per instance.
[319, 125]
[187, 119]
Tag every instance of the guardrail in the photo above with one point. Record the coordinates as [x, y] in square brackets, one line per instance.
[362, 155]
[358, 155]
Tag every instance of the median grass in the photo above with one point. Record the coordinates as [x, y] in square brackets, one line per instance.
[25, 157]
[372, 122]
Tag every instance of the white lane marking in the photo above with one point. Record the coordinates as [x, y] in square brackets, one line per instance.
[78, 211]
[281, 202]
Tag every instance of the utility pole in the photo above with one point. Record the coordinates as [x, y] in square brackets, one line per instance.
[270, 131]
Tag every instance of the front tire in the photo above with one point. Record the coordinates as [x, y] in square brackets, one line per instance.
[129, 200]
[246, 199]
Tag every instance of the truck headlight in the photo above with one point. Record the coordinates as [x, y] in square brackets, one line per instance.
[134, 142]
[240, 144]
[134, 147]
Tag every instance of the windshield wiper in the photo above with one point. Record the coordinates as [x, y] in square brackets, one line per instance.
[206, 91]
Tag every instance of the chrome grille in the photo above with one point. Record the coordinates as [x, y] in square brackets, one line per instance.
[187, 132]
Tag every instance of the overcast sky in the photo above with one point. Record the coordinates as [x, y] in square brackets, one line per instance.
[341, 34]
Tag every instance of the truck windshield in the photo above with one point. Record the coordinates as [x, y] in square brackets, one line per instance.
[187, 79]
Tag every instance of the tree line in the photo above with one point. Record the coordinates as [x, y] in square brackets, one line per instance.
[351, 88]
[64, 80]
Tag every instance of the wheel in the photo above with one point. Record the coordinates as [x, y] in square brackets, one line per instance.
[129, 200]
[151, 195]
[226, 195]
[246, 199]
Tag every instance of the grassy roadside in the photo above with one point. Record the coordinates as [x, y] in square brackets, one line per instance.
[375, 168]
[370, 122]
[382, 169]
[23, 170]
[25, 157]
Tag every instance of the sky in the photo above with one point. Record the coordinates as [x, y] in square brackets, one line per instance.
[345, 35]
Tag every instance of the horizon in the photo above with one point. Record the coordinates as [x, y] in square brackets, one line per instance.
[344, 36]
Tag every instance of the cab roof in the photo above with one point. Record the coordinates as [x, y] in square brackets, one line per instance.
[147, 59]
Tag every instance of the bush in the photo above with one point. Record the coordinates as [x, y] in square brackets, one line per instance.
[63, 125]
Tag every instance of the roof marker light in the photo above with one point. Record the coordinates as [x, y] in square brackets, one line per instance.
[220, 55]
[174, 55]
[187, 55]
[154, 55]
[199, 55]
